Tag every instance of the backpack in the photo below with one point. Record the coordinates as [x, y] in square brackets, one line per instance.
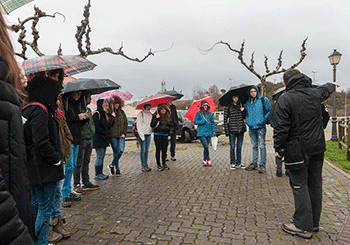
[268, 121]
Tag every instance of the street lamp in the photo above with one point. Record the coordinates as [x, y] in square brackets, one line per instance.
[334, 59]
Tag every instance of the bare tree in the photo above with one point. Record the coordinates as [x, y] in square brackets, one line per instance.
[250, 67]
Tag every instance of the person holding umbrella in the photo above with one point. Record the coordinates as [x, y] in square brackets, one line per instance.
[234, 115]
[206, 129]
[118, 128]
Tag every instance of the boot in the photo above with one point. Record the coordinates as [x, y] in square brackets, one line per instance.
[57, 224]
[98, 170]
[252, 166]
[54, 236]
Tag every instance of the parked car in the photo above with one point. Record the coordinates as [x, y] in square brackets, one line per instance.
[188, 131]
[131, 122]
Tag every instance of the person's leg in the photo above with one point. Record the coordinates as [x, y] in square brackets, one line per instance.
[68, 171]
[114, 145]
[239, 149]
[173, 145]
[302, 203]
[147, 143]
[278, 166]
[86, 162]
[79, 164]
[45, 195]
[99, 160]
[205, 144]
[164, 148]
[232, 149]
[253, 134]
[157, 142]
[57, 201]
[315, 187]
[120, 150]
[262, 145]
[142, 144]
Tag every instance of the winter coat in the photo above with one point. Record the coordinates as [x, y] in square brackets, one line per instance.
[305, 100]
[257, 113]
[41, 132]
[66, 138]
[72, 111]
[13, 153]
[206, 126]
[234, 119]
[12, 229]
[173, 116]
[120, 124]
[161, 125]
[87, 127]
[143, 124]
[101, 137]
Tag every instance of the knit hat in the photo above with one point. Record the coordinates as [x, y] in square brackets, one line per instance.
[289, 74]
[204, 102]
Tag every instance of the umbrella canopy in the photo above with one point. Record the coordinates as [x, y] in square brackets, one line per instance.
[155, 100]
[173, 93]
[196, 105]
[241, 90]
[95, 86]
[278, 93]
[71, 64]
[7, 6]
[124, 95]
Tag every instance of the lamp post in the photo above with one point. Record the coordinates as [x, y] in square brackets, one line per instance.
[334, 59]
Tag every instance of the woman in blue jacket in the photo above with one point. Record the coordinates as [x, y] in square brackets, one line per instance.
[206, 129]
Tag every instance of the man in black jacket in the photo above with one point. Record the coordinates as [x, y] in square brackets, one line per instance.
[301, 103]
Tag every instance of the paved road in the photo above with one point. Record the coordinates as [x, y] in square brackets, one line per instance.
[191, 204]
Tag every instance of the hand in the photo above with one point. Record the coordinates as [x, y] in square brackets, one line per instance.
[122, 136]
[169, 137]
[81, 116]
[113, 114]
[277, 155]
[242, 108]
[157, 116]
[336, 84]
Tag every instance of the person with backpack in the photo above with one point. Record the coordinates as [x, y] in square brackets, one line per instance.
[235, 127]
[257, 111]
[101, 137]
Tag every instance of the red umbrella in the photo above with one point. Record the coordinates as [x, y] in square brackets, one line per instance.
[195, 107]
[155, 100]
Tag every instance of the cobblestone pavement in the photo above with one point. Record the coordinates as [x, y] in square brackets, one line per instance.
[192, 204]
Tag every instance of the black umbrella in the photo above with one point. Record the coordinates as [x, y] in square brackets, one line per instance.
[241, 90]
[95, 86]
[278, 93]
[172, 93]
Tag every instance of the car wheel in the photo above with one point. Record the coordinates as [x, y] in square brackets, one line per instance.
[187, 136]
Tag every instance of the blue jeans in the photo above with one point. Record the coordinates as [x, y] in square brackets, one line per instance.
[172, 144]
[235, 157]
[205, 142]
[118, 145]
[100, 156]
[144, 149]
[68, 170]
[257, 137]
[42, 202]
[57, 202]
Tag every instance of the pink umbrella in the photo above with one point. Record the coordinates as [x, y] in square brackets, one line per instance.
[124, 95]
[195, 107]
[155, 100]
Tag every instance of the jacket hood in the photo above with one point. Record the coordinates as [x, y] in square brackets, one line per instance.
[257, 89]
[44, 90]
[99, 104]
[163, 107]
[204, 102]
[299, 81]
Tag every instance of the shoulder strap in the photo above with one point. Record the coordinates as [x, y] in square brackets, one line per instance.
[99, 114]
[36, 104]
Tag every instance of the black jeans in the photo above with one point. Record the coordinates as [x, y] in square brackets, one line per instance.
[306, 184]
[161, 143]
[83, 160]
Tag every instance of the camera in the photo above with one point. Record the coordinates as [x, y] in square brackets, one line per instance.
[282, 152]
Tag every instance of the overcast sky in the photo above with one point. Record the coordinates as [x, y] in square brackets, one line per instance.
[267, 26]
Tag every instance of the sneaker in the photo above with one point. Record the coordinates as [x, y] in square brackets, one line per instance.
[262, 169]
[242, 166]
[252, 166]
[291, 229]
[77, 190]
[173, 159]
[117, 173]
[167, 159]
[73, 197]
[90, 186]
[165, 166]
[160, 168]
[111, 169]
[145, 168]
[209, 163]
[66, 202]
[101, 177]
[233, 166]
[204, 163]
[316, 229]
[279, 173]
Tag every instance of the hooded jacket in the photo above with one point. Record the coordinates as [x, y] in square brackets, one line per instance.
[101, 137]
[143, 123]
[305, 100]
[72, 111]
[234, 119]
[257, 113]
[14, 180]
[206, 126]
[161, 125]
[41, 132]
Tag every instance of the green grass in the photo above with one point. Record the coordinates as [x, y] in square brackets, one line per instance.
[337, 156]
